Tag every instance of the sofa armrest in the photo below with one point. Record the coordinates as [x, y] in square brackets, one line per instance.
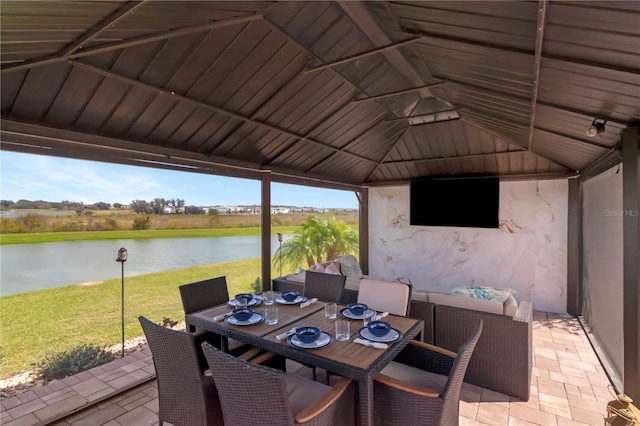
[525, 311]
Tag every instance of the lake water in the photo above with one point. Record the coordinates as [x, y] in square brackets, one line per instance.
[28, 267]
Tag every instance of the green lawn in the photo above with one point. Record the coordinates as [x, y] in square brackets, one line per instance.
[55, 319]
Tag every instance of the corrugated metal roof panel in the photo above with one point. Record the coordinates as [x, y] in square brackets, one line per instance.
[599, 32]
[565, 151]
[601, 92]
[244, 93]
[32, 29]
[511, 24]
[572, 125]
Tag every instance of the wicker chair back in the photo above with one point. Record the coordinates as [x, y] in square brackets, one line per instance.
[203, 294]
[185, 396]
[326, 287]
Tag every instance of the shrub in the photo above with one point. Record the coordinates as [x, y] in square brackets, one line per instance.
[141, 222]
[11, 226]
[72, 361]
[256, 286]
[110, 224]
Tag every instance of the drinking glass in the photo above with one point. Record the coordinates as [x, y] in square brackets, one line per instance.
[269, 296]
[271, 315]
[242, 302]
[342, 330]
[330, 310]
[369, 316]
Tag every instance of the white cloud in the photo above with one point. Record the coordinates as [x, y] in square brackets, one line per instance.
[57, 179]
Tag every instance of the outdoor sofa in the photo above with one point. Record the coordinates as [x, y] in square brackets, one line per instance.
[502, 360]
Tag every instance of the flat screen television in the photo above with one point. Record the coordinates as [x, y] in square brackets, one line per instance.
[467, 201]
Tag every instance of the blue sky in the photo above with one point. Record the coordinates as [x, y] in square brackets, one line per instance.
[38, 177]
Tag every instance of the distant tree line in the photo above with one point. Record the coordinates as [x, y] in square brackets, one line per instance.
[162, 206]
[155, 206]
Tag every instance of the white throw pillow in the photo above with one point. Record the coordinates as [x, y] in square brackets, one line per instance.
[349, 266]
[319, 268]
[332, 268]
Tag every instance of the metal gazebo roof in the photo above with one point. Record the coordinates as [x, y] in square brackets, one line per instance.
[342, 94]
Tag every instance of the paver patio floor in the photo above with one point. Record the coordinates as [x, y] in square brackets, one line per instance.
[568, 387]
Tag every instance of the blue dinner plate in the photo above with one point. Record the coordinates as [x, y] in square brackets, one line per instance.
[297, 300]
[348, 314]
[254, 319]
[252, 302]
[321, 342]
[392, 336]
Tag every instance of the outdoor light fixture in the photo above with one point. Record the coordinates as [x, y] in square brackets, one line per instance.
[122, 257]
[280, 238]
[596, 127]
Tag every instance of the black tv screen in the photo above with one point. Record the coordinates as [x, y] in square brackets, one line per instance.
[469, 202]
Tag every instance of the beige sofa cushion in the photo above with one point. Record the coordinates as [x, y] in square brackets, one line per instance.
[490, 306]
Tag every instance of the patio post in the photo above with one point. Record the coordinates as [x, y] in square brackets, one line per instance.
[122, 257]
[631, 247]
[265, 229]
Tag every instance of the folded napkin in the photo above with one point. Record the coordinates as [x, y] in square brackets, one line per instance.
[286, 334]
[371, 344]
[221, 317]
[380, 316]
[308, 302]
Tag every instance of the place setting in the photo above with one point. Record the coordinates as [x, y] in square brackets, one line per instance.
[379, 332]
[290, 298]
[306, 338]
[241, 316]
[244, 300]
[357, 311]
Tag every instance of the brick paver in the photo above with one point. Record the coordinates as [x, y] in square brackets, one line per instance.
[568, 387]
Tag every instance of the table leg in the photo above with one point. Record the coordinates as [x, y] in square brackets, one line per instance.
[365, 393]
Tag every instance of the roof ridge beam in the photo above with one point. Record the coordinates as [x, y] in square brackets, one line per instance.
[114, 18]
[401, 92]
[542, 19]
[361, 55]
[134, 41]
[231, 114]
[453, 157]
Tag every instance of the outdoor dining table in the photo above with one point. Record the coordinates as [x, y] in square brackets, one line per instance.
[346, 358]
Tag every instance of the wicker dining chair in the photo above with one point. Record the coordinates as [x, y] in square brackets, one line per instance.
[205, 294]
[202, 295]
[185, 395]
[326, 287]
[422, 385]
[252, 394]
[385, 296]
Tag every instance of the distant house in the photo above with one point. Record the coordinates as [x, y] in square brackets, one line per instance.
[280, 210]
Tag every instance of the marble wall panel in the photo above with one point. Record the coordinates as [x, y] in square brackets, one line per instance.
[527, 253]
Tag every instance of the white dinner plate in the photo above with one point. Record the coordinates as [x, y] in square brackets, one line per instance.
[392, 336]
[321, 342]
[252, 302]
[347, 314]
[254, 319]
[298, 299]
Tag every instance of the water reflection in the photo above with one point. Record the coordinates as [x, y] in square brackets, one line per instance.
[28, 267]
